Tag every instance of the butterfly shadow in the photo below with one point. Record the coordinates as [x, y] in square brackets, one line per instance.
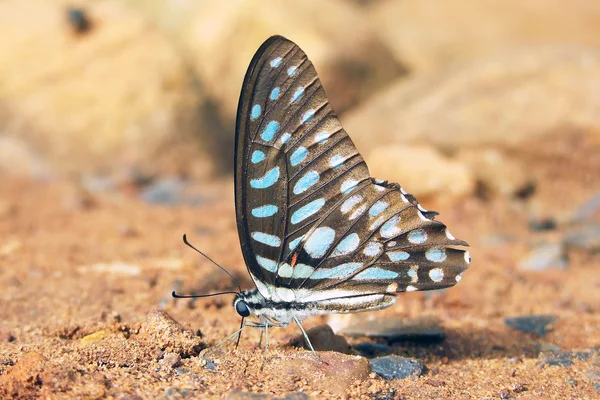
[454, 344]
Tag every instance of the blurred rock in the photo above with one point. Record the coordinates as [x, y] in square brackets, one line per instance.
[503, 100]
[222, 37]
[394, 367]
[496, 171]
[118, 95]
[437, 35]
[563, 358]
[394, 329]
[588, 209]
[537, 324]
[583, 236]
[349, 57]
[544, 256]
[340, 372]
[17, 158]
[164, 332]
[421, 170]
[323, 339]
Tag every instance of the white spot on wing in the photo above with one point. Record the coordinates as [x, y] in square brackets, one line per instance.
[319, 242]
[436, 274]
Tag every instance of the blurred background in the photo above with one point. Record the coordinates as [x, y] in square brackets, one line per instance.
[116, 136]
[140, 89]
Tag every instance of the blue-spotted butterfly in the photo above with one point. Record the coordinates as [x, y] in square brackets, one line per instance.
[318, 234]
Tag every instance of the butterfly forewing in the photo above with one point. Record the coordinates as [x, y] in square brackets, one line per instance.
[292, 158]
[309, 216]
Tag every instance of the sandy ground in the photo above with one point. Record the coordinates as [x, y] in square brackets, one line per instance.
[83, 276]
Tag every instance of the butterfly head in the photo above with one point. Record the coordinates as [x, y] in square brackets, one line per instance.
[241, 305]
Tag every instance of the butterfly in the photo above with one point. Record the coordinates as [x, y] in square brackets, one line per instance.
[318, 234]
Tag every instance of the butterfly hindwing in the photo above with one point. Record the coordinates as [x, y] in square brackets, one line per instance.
[310, 218]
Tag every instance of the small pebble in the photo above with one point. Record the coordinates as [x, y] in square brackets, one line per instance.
[395, 367]
[537, 324]
[170, 360]
[544, 256]
[542, 225]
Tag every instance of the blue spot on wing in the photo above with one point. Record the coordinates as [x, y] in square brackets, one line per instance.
[291, 70]
[307, 211]
[298, 156]
[294, 243]
[297, 94]
[275, 62]
[270, 131]
[257, 156]
[307, 116]
[265, 211]
[340, 272]
[347, 245]
[255, 111]
[274, 93]
[397, 255]
[265, 238]
[304, 183]
[267, 264]
[319, 241]
[376, 273]
[378, 208]
[267, 180]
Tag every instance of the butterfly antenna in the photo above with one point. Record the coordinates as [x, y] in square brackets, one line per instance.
[212, 261]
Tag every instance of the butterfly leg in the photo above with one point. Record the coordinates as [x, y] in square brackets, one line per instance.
[233, 335]
[266, 340]
[308, 342]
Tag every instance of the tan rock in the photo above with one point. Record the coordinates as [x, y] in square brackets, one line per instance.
[434, 35]
[335, 376]
[497, 171]
[165, 333]
[117, 94]
[350, 58]
[503, 100]
[421, 170]
[322, 338]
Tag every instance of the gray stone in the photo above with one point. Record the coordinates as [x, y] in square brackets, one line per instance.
[544, 256]
[397, 329]
[537, 324]
[563, 358]
[395, 367]
[584, 236]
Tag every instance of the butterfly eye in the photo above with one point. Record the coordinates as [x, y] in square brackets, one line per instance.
[242, 308]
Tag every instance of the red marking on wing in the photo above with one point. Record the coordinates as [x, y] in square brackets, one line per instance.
[294, 259]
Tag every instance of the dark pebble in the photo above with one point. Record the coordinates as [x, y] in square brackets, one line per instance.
[391, 395]
[426, 330]
[541, 225]
[597, 387]
[562, 359]
[370, 350]
[181, 371]
[395, 367]
[166, 191]
[537, 324]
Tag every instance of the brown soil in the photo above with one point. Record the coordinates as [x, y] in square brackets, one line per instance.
[75, 264]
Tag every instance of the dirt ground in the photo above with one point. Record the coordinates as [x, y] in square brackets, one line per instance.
[84, 275]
